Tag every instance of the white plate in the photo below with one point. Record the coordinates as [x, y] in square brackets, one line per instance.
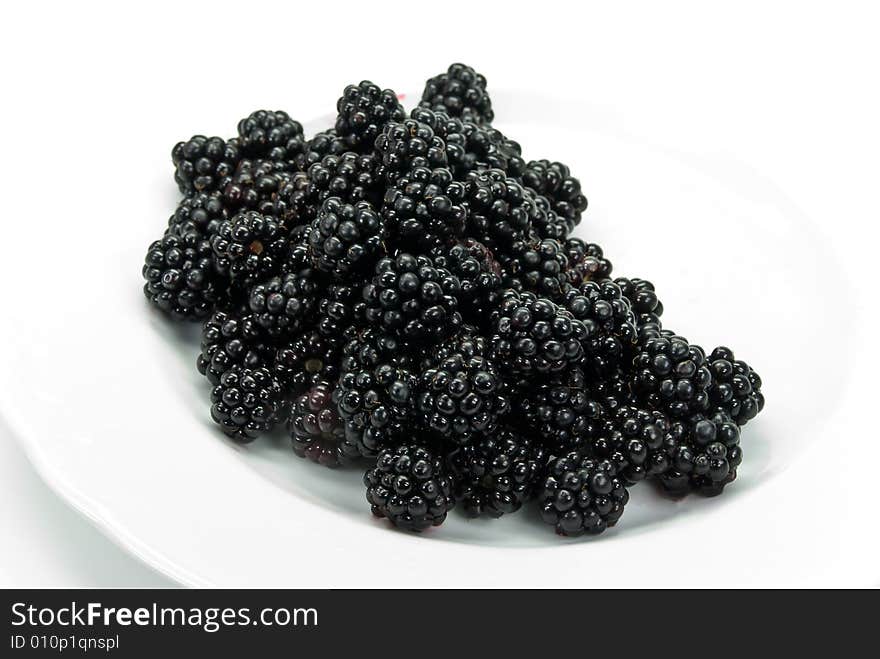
[103, 393]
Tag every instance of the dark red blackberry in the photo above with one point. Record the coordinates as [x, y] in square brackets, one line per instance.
[582, 495]
[461, 393]
[316, 430]
[460, 92]
[425, 208]
[479, 277]
[306, 360]
[586, 262]
[705, 457]
[364, 110]
[401, 146]
[736, 388]
[201, 213]
[181, 278]
[534, 336]
[410, 487]
[272, 135]
[256, 185]
[345, 237]
[284, 305]
[610, 324]
[321, 145]
[202, 164]
[538, 266]
[411, 297]
[635, 441]
[250, 246]
[246, 402]
[501, 211]
[554, 181]
[497, 474]
[672, 376]
[231, 339]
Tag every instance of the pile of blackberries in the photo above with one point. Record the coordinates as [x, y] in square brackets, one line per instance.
[403, 289]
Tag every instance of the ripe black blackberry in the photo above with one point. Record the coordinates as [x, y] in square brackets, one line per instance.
[561, 414]
[246, 402]
[256, 185]
[613, 390]
[403, 145]
[363, 111]
[582, 495]
[554, 181]
[501, 210]
[497, 474]
[538, 266]
[705, 457]
[231, 339]
[671, 375]
[479, 277]
[202, 164]
[321, 145]
[345, 237]
[306, 360]
[272, 135]
[461, 394]
[181, 278]
[286, 304]
[376, 391]
[413, 298]
[534, 336]
[549, 223]
[460, 92]
[635, 441]
[316, 430]
[610, 323]
[644, 302]
[201, 213]
[736, 388]
[410, 487]
[250, 246]
[586, 261]
[341, 309]
[425, 208]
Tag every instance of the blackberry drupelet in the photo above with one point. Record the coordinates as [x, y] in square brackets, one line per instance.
[425, 208]
[316, 430]
[201, 213]
[645, 304]
[586, 261]
[497, 474]
[363, 111]
[307, 360]
[460, 92]
[613, 391]
[202, 164]
[671, 375]
[346, 237]
[635, 441]
[322, 144]
[549, 223]
[340, 309]
[582, 495]
[256, 185]
[736, 388]
[401, 146]
[286, 304]
[250, 247]
[479, 277]
[704, 455]
[181, 278]
[534, 336]
[501, 211]
[231, 339]
[272, 135]
[246, 402]
[412, 298]
[538, 266]
[554, 181]
[410, 487]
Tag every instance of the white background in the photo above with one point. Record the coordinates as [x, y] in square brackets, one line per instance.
[790, 88]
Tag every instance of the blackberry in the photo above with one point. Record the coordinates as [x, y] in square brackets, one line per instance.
[307, 360]
[409, 486]
[231, 339]
[705, 456]
[635, 441]
[364, 110]
[554, 181]
[736, 388]
[341, 308]
[479, 277]
[425, 208]
[644, 302]
[586, 261]
[534, 336]
[202, 163]
[460, 395]
[609, 320]
[256, 185]
[284, 305]
[403, 145]
[414, 299]
[548, 223]
[561, 413]
[501, 211]
[582, 495]
[201, 213]
[460, 92]
[375, 392]
[272, 135]
[250, 246]
[538, 266]
[180, 275]
[323, 144]
[346, 237]
[671, 375]
[316, 430]
[246, 402]
[497, 474]
[612, 391]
